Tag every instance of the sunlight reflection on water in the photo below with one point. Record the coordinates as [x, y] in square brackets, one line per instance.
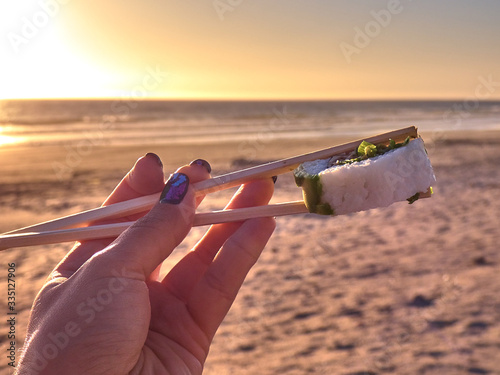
[9, 140]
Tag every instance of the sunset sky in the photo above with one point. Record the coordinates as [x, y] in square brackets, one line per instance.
[250, 49]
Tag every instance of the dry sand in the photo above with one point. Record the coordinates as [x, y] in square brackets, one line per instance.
[408, 289]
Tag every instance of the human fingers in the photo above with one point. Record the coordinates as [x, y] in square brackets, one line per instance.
[146, 177]
[142, 247]
[87, 249]
[214, 294]
[255, 193]
[189, 270]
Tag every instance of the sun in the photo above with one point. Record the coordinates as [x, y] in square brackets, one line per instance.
[46, 64]
[59, 72]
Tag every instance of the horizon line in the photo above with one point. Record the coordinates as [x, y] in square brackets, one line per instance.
[224, 99]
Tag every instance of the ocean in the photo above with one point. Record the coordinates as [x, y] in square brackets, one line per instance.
[30, 123]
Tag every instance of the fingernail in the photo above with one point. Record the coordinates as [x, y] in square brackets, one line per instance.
[175, 189]
[203, 163]
[156, 157]
[275, 178]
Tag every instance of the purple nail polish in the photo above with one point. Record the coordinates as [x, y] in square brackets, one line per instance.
[156, 157]
[175, 189]
[202, 163]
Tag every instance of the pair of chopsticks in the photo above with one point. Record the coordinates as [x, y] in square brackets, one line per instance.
[73, 227]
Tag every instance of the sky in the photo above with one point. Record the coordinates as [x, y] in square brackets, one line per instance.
[250, 49]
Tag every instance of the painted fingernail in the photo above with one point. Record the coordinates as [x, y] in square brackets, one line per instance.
[154, 156]
[275, 178]
[175, 189]
[203, 163]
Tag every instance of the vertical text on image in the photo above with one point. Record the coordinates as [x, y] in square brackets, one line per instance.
[11, 314]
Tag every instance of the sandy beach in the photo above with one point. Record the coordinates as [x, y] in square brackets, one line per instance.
[408, 289]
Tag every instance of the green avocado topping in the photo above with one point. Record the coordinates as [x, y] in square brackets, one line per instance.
[311, 190]
[367, 149]
[413, 198]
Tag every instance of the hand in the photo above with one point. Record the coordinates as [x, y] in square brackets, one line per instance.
[103, 309]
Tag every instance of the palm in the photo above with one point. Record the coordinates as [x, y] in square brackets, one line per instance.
[146, 326]
[172, 334]
[154, 334]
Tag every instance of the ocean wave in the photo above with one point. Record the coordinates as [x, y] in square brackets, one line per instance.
[40, 123]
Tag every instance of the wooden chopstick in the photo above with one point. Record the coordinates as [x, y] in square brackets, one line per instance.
[214, 184]
[80, 219]
[113, 230]
[286, 165]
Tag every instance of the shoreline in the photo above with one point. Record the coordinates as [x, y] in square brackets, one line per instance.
[26, 164]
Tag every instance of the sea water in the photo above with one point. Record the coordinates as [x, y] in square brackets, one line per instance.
[132, 122]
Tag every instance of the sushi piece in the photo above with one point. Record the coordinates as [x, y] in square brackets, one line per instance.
[371, 176]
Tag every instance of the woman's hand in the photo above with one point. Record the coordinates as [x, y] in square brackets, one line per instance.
[103, 309]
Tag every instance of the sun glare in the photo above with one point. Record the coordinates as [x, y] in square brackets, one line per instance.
[49, 65]
[7, 139]
[58, 73]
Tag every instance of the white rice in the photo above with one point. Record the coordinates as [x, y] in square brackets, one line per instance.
[375, 182]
